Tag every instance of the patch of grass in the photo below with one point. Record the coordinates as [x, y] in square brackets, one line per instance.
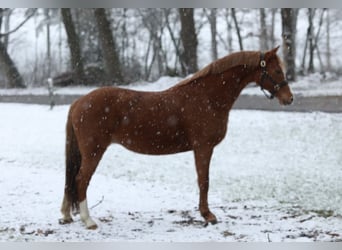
[227, 233]
[323, 213]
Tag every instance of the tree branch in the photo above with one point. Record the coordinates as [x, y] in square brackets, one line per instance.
[20, 25]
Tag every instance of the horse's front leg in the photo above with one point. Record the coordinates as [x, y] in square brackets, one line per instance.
[202, 160]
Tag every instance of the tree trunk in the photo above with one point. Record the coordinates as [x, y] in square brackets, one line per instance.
[328, 53]
[7, 65]
[237, 28]
[212, 16]
[289, 24]
[311, 67]
[7, 16]
[175, 41]
[74, 45]
[109, 51]
[9, 69]
[272, 38]
[48, 41]
[229, 31]
[189, 40]
[316, 47]
[153, 20]
[263, 30]
[1, 17]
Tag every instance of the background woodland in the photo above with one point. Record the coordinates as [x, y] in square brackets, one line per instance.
[121, 46]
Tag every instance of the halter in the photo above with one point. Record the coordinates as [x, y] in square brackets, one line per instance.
[276, 86]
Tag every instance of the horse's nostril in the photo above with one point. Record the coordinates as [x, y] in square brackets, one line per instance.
[288, 101]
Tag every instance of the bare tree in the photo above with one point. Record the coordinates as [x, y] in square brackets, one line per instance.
[267, 36]
[7, 16]
[9, 68]
[289, 29]
[212, 18]
[1, 17]
[328, 52]
[124, 38]
[44, 66]
[310, 35]
[109, 48]
[272, 37]
[74, 45]
[7, 65]
[175, 40]
[48, 41]
[228, 20]
[312, 39]
[263, 30]
[189, 40]
[153, 21]
[126, 30]
[317, 36]
[237, 28]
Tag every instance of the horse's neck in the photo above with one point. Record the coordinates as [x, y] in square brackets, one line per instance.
[238, 81]
[225, 88]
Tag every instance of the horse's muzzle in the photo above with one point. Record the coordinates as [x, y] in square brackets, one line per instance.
[288, 101]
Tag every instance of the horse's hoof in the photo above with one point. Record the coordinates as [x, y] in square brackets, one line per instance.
[92, 227]
[210, 219]
[89, 223]
[213, 222]
[65, 221]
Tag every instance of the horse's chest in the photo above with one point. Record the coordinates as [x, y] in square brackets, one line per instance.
[209, 128]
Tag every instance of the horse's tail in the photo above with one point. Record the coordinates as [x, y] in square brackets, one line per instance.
[73, 164]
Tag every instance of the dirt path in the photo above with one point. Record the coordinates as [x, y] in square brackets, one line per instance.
[331, 104]
[301, 104]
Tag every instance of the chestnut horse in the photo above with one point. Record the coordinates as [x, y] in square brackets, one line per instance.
[191, 115]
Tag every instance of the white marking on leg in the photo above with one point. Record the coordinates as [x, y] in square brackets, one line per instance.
[66, 207]
[84, 213]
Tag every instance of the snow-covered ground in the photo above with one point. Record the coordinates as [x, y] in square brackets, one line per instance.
[276, 177]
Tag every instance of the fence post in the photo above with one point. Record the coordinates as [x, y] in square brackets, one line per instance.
[51, 93]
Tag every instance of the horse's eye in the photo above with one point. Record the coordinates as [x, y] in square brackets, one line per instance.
[279, 72]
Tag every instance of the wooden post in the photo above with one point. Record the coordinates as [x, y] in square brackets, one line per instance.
[51, 93]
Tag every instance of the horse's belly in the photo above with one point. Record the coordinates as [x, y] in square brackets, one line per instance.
[155, 143]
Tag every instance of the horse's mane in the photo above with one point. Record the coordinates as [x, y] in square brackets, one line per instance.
[248, 58]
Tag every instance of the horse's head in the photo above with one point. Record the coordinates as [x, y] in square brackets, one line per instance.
[271, 77]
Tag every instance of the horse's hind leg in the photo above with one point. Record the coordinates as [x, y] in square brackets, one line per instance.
[66, 209]
[88, 167]
[202, 160]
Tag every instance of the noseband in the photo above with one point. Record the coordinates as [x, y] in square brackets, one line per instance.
[264, 75]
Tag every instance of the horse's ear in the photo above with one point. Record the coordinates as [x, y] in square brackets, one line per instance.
[271, 52]
[275, 50]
